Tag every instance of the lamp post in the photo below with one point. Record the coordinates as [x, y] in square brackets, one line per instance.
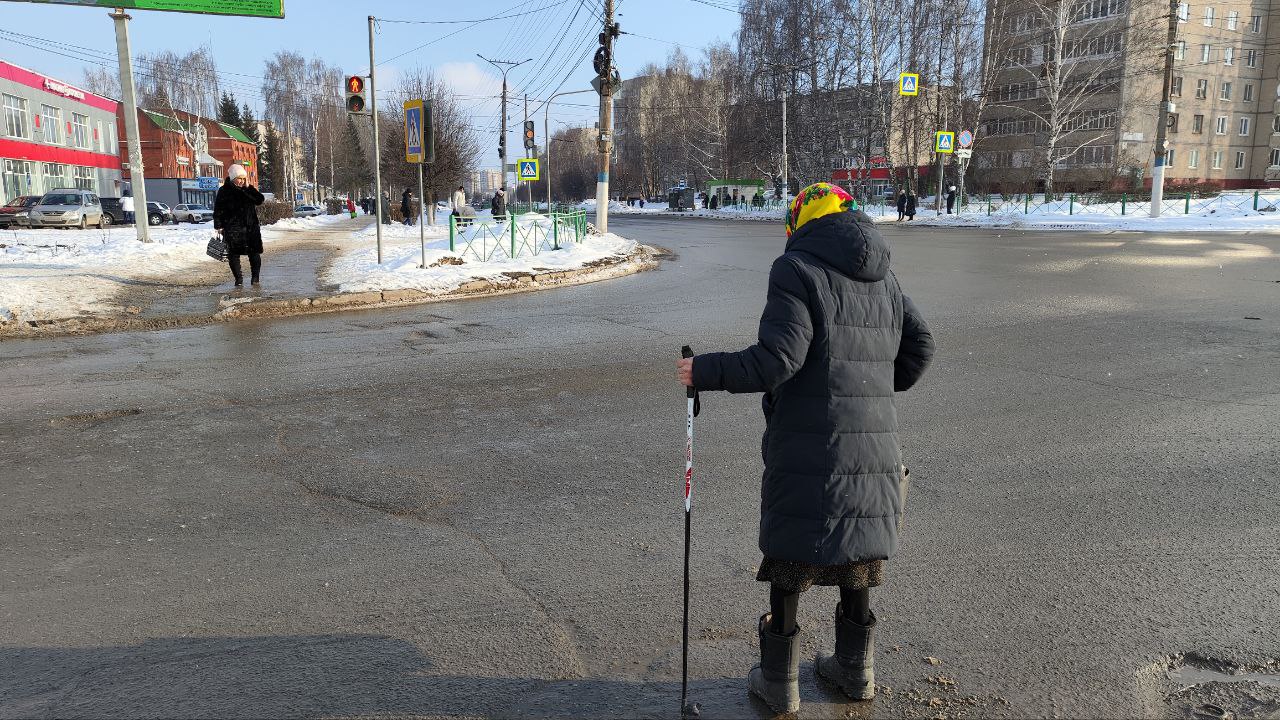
[502, 146]
[546, 133]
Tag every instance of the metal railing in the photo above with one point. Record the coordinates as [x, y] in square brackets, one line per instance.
[512, 239]
[1124, 204]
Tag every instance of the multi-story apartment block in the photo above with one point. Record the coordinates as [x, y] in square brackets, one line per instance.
[1102, 61]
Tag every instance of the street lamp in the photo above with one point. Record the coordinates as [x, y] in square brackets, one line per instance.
[502, 142]
[546, 132]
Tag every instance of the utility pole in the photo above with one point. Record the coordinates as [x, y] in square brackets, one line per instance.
[942, 115]
[786, 180]
[502, 139]
[603, 66]
[377, 148]
[528, 185]
[1162, 126]
[133, 143]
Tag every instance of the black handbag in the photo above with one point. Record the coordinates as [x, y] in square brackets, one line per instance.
[217, 248]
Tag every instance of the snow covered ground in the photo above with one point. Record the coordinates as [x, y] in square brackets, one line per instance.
[358, 269]
[54, 274]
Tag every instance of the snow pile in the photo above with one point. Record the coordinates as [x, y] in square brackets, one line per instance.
[316, 222]
[49, 273]
[1226, 212]
[358, 270]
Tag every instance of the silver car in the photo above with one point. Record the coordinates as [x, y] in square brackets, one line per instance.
[307, 211]
[191, 213]
[69, 207]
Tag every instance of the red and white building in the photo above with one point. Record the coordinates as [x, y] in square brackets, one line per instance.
[55, 135]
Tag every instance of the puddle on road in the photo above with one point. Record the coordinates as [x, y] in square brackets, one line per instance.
[1196, 687]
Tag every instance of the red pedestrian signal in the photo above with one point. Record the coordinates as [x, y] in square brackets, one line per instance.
[356, 103]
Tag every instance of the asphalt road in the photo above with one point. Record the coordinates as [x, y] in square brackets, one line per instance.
[473, 508]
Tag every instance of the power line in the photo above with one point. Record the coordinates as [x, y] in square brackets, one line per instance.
[476, 21]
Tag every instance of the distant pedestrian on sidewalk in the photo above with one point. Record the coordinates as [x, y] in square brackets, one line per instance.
[498, 205]
[837, 339]
[458, 200]
[126, 209]
[351, 208]
[235, 216]
[951, 199]
[384, 207]
[406, 206]
[902, 204]
[911, 205]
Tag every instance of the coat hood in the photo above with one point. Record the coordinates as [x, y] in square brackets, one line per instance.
[846, 241]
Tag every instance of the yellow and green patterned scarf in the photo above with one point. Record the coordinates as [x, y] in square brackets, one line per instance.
[815, 201]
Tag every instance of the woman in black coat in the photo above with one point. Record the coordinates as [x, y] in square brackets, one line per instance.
[902, 204]
[837, 340]
[911, 206]
[235, 216]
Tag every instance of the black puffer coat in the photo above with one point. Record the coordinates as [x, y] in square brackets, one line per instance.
[235, 213]
[837, 340]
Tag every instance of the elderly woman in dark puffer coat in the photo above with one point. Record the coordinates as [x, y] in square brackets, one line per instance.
[837, 340]
[235, 215]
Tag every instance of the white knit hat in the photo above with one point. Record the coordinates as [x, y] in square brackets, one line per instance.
[237, 171]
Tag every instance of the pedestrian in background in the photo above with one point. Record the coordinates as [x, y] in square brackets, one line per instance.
[951, 199]
[458, 200]
[406, 206]
[911, 205]
[384, 207]
[498, 205]
[351, 208]
[902, 205]
[837, 339]
[235, 217]
[126, 209]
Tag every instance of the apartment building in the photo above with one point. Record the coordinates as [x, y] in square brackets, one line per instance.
[1109, 68]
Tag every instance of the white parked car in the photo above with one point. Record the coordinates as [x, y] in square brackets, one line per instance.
[191, 213]
[307, 211]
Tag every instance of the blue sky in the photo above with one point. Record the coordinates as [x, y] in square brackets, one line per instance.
[338, 33]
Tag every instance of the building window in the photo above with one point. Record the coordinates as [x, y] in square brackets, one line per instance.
[1239, 159]
[15, 117]
[80, 128]
[1244, 126]
[1208, 16]
[98, 138]
[1089, 156]
[1169, 160]
[1175, 88]
[1020, 56]
[1092, 46]
[1220, 126]
[1202, 89]
[1248, 92]
[51, 124]
[1090, 120]
[1197, 124]
[1216, 164]
[86, 178]
[55, 176]
[1275, 157]
[1193, 159]
[17, 179]
[1184, 11]
[1228, 55]
[1233, 19]
[1255, 23]
[1206, 52]
[1251, 58]
[1224, 91]
[1275, 124]
[1096, 9]
[1180, 50]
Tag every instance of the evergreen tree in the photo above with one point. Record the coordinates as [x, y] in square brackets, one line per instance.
[228, 110]
[271, 170]
[247, 123]
[353, 171]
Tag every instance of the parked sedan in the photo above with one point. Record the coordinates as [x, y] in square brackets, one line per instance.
[15, 213]
[307, 211]
[191, 213]
[67, 208]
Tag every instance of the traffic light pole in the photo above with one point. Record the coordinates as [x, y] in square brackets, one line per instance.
[529, 185]
[606, 121]
[502, 143]
[1162, 124]
[377, 148]
[133, 141]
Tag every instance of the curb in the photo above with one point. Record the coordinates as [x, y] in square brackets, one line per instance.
[235, 308]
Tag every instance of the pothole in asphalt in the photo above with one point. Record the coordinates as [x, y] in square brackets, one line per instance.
[83, 419]
[1199, 687]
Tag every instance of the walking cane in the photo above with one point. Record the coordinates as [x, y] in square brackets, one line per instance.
[688, 709]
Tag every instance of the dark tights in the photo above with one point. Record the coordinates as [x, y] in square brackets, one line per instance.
[255, 266]
[783, 604]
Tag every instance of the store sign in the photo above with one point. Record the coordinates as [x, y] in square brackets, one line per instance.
[251, 8]
[54, 86]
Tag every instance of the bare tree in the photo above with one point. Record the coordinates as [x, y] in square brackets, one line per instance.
[101, 81]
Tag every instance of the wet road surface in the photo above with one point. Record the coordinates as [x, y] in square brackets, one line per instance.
[473, 508]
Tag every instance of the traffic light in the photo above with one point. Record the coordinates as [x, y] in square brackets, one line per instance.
[428, 133]
[528, 135]
[502, 147]
[355, 95]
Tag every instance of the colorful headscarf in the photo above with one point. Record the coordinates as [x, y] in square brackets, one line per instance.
[815, 201]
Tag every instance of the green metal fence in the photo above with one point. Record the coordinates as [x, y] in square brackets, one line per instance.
[512, 239]
[1126, 204]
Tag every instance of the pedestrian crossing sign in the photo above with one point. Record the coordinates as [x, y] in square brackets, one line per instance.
[527, 170]
[909, 84]
[944, 142]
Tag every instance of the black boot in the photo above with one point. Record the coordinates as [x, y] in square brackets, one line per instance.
[852, 668]
[776, 680]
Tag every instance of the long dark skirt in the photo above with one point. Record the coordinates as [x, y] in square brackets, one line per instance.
[797, 576]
